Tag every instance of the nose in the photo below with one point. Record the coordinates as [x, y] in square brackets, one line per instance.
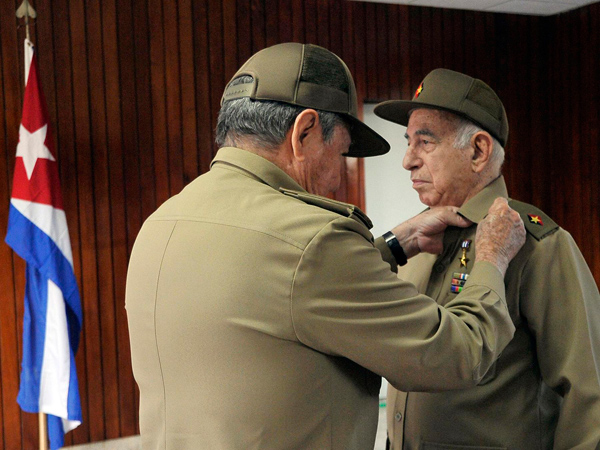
[411, 160]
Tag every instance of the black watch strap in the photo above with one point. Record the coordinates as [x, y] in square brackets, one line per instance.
[395, 247]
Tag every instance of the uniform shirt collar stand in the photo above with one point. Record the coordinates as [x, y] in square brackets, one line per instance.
[476, 208]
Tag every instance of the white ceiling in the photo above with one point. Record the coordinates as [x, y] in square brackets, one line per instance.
[530, 7]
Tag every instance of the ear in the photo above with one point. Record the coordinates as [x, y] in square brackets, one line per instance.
[304, 131]
[483, 146]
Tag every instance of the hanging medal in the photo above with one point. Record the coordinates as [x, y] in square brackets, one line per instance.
[458, 278]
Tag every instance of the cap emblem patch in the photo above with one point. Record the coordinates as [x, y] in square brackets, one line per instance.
[535, 219]
[418, 91]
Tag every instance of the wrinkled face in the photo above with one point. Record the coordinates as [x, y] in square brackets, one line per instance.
[327, 162]
[441, 174]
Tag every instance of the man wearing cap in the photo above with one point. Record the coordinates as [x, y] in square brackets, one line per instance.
[260, 312]
[544, 390]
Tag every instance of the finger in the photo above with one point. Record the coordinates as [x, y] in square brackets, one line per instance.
[499, 205]
[452, 217]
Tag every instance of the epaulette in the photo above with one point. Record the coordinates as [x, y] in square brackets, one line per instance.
[344, 209]
[537, 223]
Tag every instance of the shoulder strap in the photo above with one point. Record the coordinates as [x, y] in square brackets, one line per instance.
[344, 209]
[537, 223]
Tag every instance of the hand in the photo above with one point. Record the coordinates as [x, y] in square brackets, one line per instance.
[425, 232]
[500, 235]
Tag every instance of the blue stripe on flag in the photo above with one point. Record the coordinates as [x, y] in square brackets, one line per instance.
[45, 262]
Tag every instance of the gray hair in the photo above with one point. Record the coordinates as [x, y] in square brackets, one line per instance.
[465, 130]
[264, 123]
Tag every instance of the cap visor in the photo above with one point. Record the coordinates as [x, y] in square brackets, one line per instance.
[365, 141]
[397, 110]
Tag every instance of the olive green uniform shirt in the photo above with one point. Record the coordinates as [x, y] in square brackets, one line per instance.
[259, 316]
[544, 390]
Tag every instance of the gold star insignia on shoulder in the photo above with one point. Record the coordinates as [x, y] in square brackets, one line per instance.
[533, 218]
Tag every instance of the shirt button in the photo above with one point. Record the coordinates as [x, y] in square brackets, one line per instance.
[398, 417]
[439, 268]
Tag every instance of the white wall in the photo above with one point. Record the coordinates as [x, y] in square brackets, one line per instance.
[390, 198]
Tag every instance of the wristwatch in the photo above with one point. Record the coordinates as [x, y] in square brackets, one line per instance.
[395, 247]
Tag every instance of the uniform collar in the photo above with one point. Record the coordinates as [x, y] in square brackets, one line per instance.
[477, 207]
[259, 167]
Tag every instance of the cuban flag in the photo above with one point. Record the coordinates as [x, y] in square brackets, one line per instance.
[38, 233]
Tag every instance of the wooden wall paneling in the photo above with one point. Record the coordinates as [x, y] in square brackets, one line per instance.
[521, 84]
[426, 51]
[448, 43]
[202, 70]
[383, 52]
[333, 29]
[360, 58]
[285, 21]
[103, 251]
[354, 166]
[436, 37]
[173, 63]
[336, 30]
[130, 84]
[459, 35]
[394, 62]
[10, 114]
[142, 157]
[230, 39]
[272, 23]
[469, 44]
[125, 410]
[404, 63]
[372, 70]
[258, 25]
[574, 139]
[585, 80]
[188, 92]
[217, 69]
[158, 96]
[322, 19]
[415, 59]
[65, 142]
[538, 95]
[310, 24]
[298, 21]
[126, 184]
[244, 34]
[557, 76]
[508, 86]
[89, 279]
[348, 36]
[593, 114]
[478, 36]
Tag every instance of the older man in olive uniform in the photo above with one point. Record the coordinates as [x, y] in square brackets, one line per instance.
[261, 312]
[543, 392]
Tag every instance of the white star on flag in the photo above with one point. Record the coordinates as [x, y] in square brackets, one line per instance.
[31, 147]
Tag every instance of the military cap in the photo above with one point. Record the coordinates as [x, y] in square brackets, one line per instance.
[458, 93]
[312, 77]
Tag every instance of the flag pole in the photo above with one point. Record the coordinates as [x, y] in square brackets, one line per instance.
[27, 11]
[43, 431]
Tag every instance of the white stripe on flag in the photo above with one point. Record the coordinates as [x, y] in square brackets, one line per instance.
[56, 365]
[50, 220]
